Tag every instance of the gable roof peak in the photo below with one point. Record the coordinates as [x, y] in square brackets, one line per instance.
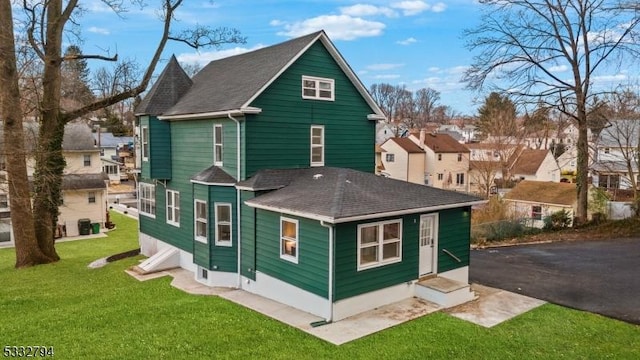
[172, 83]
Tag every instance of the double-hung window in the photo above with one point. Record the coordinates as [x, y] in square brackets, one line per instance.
[317, 145]
[379, 244]
[217, 145]
[223, 224]
[173, 208]
[86, 160]
[460, 179]
[390, 157]
[145, 143]
[91, 197]
[147, 196]
[318, 88]
[289, 239]
[200, 218]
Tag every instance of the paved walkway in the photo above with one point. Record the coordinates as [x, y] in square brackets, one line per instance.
[491, 308]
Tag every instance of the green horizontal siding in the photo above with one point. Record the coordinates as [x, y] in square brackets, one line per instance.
[224, 258]
[159, 149]
[201, 251]
[454, 229]
[279, 137]
[248, 242]
[158, 227]
[351, 282]
[311, 271]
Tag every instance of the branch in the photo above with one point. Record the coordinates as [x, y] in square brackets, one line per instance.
[82, 57]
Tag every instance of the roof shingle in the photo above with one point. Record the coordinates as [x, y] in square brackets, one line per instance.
[340, 195]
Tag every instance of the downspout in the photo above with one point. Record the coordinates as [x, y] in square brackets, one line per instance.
[238, 205]
[330, 277]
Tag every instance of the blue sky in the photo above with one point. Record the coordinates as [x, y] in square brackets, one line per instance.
[414, 43]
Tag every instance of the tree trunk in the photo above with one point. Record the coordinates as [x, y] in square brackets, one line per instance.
[27, 251]
[582, 170]
[49, 159]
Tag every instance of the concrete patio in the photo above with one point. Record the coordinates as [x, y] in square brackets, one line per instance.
[492, 307]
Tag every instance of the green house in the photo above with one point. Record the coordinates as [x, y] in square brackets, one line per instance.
[258, 174]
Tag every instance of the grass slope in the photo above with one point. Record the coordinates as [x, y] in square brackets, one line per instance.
[105, 314]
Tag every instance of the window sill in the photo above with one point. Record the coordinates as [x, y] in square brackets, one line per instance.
[289, 258]
[147, 215]
[200, 240]
[380, 264]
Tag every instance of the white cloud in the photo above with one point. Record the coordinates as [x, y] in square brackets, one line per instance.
[457, 70]
[439, 7]
[559, 68]
[367, 10]
[276, 22]
[407, 41]
[434, 69]
[338, 27]
[203, 58]
[381, 67]
[411, 7]
[386, 76]
[97, 30]
[610, 78]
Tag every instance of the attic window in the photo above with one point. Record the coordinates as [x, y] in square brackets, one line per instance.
[317, 88]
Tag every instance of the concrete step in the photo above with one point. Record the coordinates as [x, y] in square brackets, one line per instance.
[444, 292]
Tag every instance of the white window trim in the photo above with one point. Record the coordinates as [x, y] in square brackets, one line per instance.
[317, 163]
[293, 259]
[85, 158]
[216, 161]
[151, 201]
[380, 244]
[6, 196]
[144, 140]
[217, 241]
[89, 197]
[318, 80]
[171, 209]
[195, 221]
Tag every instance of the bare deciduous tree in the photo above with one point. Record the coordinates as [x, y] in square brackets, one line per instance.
[523, 43]
[45, 22]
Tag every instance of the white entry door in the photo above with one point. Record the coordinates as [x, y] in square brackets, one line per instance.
[427, 239]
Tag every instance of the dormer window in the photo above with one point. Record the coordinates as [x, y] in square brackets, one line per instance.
[318, 88]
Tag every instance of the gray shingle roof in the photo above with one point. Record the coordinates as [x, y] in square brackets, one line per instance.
[229, 83]
[214, 175]
[84, 181]
[108, 140]
[340, 195]
[171, 85]
[77, 137]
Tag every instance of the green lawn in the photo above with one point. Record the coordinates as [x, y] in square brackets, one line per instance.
[106, 314]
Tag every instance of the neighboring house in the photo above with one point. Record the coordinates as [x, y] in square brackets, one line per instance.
[455, 135]
[469, 133]
[117, 148]
[617, 155]
[537, 165]
[257, 174]
[379, 165]
[403, 160]
[84, 185]
[385, 130]
[447, 161]
[114, 170]
[536, 200]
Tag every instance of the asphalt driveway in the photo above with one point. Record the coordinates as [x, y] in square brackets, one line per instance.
[597, 276]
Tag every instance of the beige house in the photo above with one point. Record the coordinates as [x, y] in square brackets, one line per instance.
[446, 161]
[402, 159]
[538, 165]
[536, 200]
[84, 185]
